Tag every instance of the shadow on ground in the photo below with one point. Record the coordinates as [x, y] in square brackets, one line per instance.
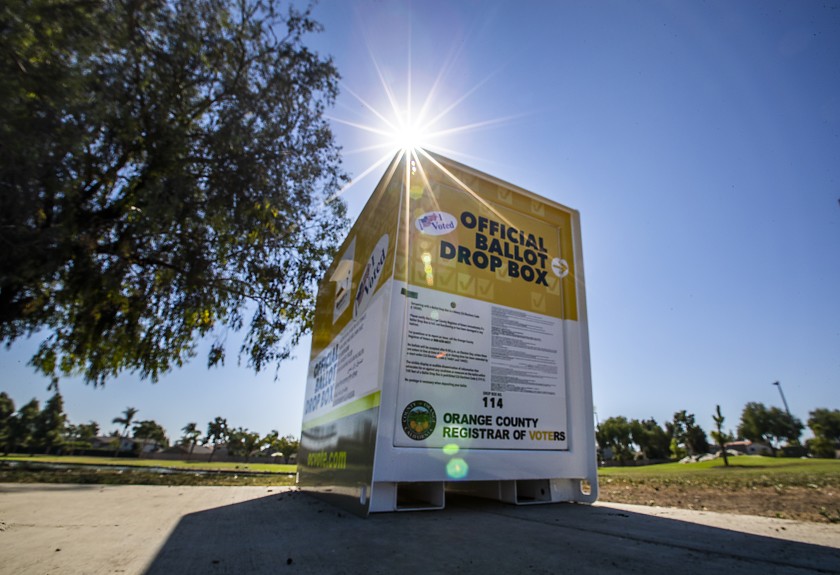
[296, 533]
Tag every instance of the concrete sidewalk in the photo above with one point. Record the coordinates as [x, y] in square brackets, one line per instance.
[135, 529]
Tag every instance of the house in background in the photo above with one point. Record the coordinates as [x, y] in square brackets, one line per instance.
[110, 442]
[748, 447]
[127, 444]
[146, 446]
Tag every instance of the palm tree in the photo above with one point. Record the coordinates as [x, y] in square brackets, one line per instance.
[125, 421]
[217, 432]
[191, 435]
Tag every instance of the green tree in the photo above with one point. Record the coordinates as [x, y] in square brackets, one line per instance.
[821, 447]
[243, 443]
[126, 420]
[754, 424]
[190, 437]
[287, 445]
[696, 440]
[677, 429]
[166, 173]
[23, 427]
[49, 429]
[651, 438]
[785, 427]
[686, 436]
[87, 431]
[614, 433]
[720, 436]
[81, 436]
[825, 423]
[217, 433]
[770, 426]
[149, 430]
[7, 412]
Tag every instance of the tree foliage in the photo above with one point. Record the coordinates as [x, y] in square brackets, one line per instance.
[165, 175]
[754, 424]
[7, 412]
[125, 420]
[825, 423]
[686, 436]
[287, 445]
[150, 430]
[190, 436]
[23, 427]
[217, 433]
[696, 441]
[615, 433]
[31, 428]
[80, 436]
[243, 443]
[49, 429]
[771, 426]
[651, 438]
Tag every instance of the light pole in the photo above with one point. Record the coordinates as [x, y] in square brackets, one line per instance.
[779, 385]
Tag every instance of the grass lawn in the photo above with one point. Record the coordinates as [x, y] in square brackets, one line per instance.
[744, 470]
[134, 462]
[125, 471]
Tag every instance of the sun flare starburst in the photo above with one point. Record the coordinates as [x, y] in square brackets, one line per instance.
[399, 127]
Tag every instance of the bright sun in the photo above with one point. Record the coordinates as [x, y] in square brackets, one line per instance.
[400, 127]
[409, 136]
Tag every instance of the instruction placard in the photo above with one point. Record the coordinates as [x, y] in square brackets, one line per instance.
[486, 376]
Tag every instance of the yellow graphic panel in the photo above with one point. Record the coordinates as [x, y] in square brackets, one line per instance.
[364, 262]
[474, 237]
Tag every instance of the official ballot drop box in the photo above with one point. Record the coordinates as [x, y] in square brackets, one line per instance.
[450, 349]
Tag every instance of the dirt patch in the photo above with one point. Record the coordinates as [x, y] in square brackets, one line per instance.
[804, 503]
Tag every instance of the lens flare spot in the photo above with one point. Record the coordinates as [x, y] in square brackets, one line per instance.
[416, 191]
[434, 315]
[450, 449]
[457, 468]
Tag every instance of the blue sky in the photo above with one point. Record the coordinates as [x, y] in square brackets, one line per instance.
[699, 140]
